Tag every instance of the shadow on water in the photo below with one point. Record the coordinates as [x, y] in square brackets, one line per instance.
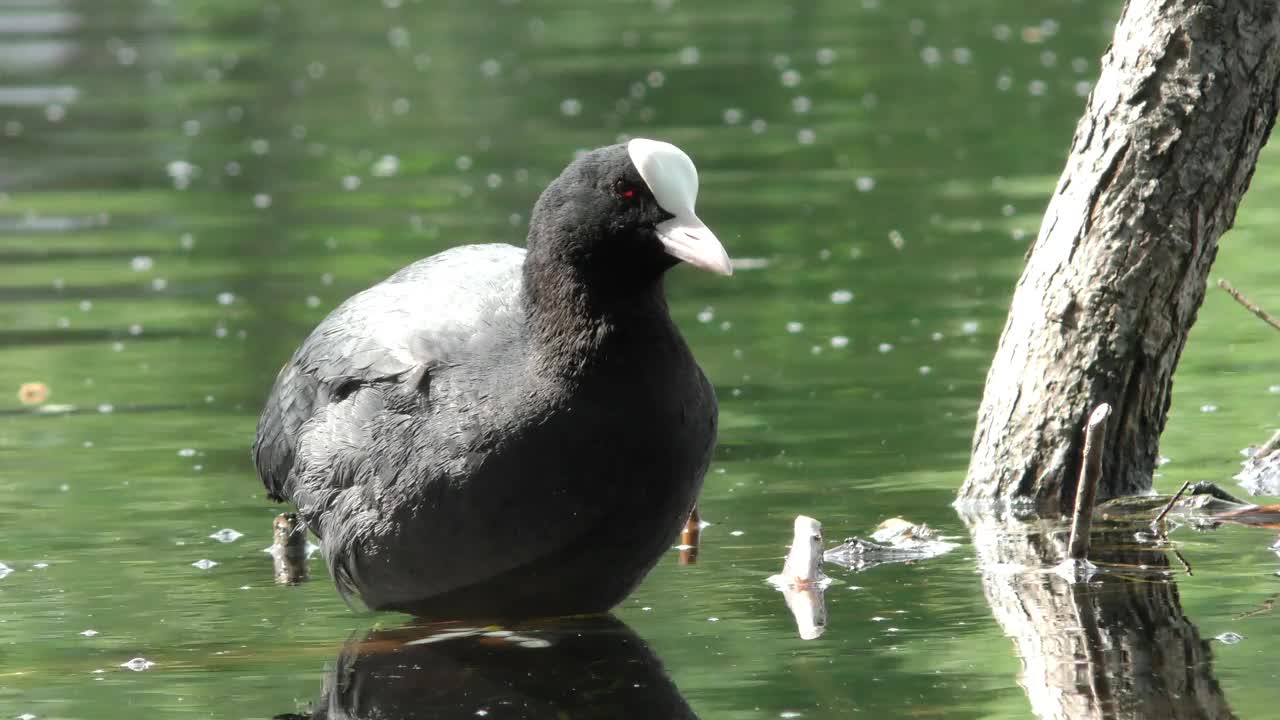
[1116, 646]
[595, 667]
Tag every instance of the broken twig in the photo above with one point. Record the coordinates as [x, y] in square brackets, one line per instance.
[1087, 488]
[1248, 305]
[1169, 506]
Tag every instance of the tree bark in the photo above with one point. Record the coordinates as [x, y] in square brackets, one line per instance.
[1186, 99]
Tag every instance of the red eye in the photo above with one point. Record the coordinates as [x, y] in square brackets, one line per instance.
[624, 190]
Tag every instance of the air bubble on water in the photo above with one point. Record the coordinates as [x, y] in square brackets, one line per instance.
[398, 36]
[732, 116]
[135, 329]
[1079, 64]
[187, 452]
[1004, 81]
[916, 26]
[737, 533]
[1037, 87]
[262, 201]
[226, 298]
[790, 78]
[227, 535]
[1229, 638]
[885, 347]
[204, 564]
[490, 68]
[259, 146]
[89, 633]
[350, 182]
[690, 56]
[655, 79]
[896, 240]
[1208, 408]
[781, 61]
[961, 56]
[570, 107]
[493, 180]
[865, 183]
[806, 136]
[759, 125]
[1083, 88]
[1274, 389]
[936, 337]
[839, 341]
[138, 664]
[106, 408]
[463, 162]
[326, 279]
[825, 56]
[725, 325]
[931, 55]
[925, 370]
[313, 301]
[706, 315]
[534, 644]
[386, 166]
[794, 327]
[969, 327]
[4, 570]
[801, 104]
[316, 69]
[842, 297]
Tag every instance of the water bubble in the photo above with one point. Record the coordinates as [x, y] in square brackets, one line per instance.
[5, 570]
[187, 452]
[186, 241]
[1208, 408]
[259, 146]
[737, 533]
[386, 166]
[141, 263]
[350, 182]
[1083, 88]
[931, 55]
[135, 329]
[262, 201]
[841, 297]
[801, 104]
[89, 633]
[924, 370]
[936, 337]
[1037, 87]
[790, 78]
[55, 113]
[915, 26]
[732, 116]
[463, 162]
[795, 327]
[312, 301]
[690, 56]
[490, 68]
[759, 125]
[398, 37]
[896, 240]
[226, 298]
[706, 315]
[138, 664]
[204, 564]
[1229, 638]
[1004, 81]
[570, 107]
[1079, 64]
[1048, 58]
[885, 347]
[781, 61]
[227, 535]
[839, 341]
[806, 136]
[655, 79]
[865, 183]
[962, 56]
[969, 327]
[106, 408]
[825, 56]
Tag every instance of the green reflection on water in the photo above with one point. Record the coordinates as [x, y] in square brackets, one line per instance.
[159, 298]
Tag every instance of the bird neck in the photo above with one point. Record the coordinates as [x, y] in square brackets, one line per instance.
[577, 321]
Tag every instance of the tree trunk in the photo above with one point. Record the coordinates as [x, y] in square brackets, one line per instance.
[1166, 148]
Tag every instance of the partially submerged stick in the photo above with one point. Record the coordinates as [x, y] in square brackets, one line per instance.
[690, 535]
[1172, 501]
[1087, 488]
[1248, 305]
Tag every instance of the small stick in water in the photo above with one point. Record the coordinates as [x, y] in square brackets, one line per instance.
[1248, 305]
[1169, 506]
[690, 535]
[289, 548]
[1087, 488]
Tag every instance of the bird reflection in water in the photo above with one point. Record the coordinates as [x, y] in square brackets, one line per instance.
[587, 667]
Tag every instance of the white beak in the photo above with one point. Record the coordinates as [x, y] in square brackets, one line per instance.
[688, 239]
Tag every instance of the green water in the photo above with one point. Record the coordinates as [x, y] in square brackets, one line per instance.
[187, 186]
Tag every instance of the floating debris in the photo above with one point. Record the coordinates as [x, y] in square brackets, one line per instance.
[138, 664]
[1261, 471]
[895, 540]
[33, 393]
[1229, 638]
[227, 535]
[4, 570]
[89, 633]
[801, 581]
[204, 564]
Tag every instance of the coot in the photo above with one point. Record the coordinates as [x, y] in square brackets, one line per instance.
[498, 432]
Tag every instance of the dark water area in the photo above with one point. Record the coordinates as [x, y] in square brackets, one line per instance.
[188, 186]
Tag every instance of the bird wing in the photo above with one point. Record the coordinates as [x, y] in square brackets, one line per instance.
[394, 331]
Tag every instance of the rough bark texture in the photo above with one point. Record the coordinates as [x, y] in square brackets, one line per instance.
[1186, 99]
[1115, 647]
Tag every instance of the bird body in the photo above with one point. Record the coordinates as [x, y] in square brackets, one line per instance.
[495, 432]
